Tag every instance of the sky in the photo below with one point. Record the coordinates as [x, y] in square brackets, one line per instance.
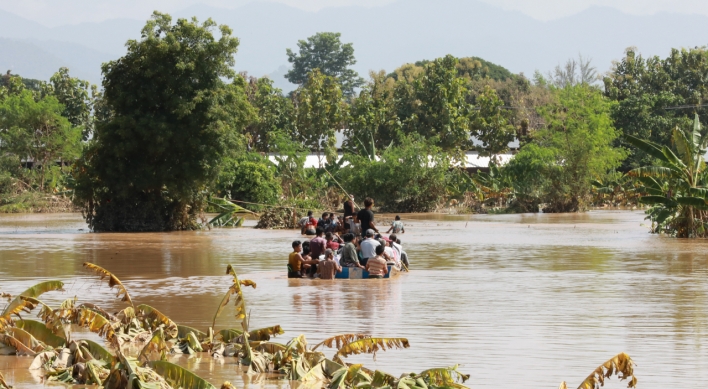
[54, 13]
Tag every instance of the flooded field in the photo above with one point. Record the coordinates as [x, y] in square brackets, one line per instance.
[519, 301]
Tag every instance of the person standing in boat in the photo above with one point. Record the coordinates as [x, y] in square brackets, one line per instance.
[376, 266]
[366, 216]
[349, 214]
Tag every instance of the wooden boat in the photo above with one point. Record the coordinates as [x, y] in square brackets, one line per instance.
[355, 273]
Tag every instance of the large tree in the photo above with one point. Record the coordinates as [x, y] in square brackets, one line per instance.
[326, 52]
[77, 97]
[655, 95]
[172, 119]
[275, 114]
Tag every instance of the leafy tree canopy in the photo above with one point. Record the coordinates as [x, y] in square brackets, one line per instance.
[172, 119]
[326, 52]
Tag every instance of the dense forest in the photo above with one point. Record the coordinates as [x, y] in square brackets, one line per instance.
[173, 129]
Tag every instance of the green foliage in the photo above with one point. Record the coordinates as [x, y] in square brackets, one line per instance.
[406, 178]
[490, 125]
[320, 112]
[576, 147]
[74, 95]
[373, 116]
[172, 120]
[36, 131]
[250, 180]
[326, 52]
[274, 114]
[646, 89]
[435, 107]
[676, 185]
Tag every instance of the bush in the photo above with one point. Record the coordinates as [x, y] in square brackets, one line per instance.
[406, 178]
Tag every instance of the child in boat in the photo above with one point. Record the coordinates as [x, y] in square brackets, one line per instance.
[297, 263]
[397, 226]
[376, 266]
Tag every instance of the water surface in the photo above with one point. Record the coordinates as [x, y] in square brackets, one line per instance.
[519, 301]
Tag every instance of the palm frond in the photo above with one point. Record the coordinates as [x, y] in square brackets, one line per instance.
[621, 365]
[112, 281]
[340, 340]
[372, 346]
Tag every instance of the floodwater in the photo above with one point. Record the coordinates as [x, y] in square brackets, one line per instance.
[519, 301]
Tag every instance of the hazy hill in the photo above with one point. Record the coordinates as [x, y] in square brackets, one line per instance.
[384, 37]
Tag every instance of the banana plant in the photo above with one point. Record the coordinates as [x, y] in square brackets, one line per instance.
[676, 184]
[231, 214]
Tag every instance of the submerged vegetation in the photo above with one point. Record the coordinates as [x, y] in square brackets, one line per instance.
[139, 338]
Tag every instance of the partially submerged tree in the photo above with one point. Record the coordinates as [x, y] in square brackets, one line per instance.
[172, 118]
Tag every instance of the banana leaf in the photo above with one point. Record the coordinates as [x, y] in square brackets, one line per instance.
[620, 365]
[178, 376]
[182, 332]
[20, 348]
[691, 201]
[33, 292]
[371, 346]
[340, 340]
[98, 351]
[154, 319]
[656, 200]
[647, 147]
[264, 334]
[156, 344]
[443, 376]
[96, 323]
[41, 332]
[112, 281]
[229, 335]
[27, 339]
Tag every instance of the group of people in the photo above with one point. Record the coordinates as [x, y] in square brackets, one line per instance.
[339, 242]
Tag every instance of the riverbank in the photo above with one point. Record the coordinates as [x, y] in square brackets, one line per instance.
[36, 202]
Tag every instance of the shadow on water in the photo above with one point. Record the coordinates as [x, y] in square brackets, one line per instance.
[541, 298]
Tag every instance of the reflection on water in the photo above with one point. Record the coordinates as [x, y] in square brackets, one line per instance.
[517, 300]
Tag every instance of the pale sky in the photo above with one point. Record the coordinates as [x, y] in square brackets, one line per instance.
[55, 12]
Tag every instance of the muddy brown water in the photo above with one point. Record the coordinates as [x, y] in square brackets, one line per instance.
[519, 301]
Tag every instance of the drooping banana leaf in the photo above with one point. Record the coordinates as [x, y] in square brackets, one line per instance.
[19, 347]
[372, 346]
[229, 335]
[349, 376]
[179, 377]
[33, 292]
[264, 334]
[112, 281]
[19, 304]
[340, 340]
[156, 344]
[154, 318]
[182, 332]
[443, 376]
[621, 365]
[27, 339]
[239, 303]
[647, 147]
[41, 332]
[98, 351]
[96, 323]
[3, 383]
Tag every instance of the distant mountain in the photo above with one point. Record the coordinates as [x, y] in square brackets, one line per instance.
[384, 37]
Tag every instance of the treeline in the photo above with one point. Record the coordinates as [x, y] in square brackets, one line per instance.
[174, 126]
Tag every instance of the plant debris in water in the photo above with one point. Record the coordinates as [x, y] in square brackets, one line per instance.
[139, 338]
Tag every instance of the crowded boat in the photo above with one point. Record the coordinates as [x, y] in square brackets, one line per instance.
[348, 246]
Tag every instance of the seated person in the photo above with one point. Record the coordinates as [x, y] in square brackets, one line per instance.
[297, 263]
[376, 266]
[329, 267]
[390, 254]
[331, 243]
[324, 221]
[350, 257]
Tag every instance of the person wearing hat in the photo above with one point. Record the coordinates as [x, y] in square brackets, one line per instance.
[329, 267]
[368, 246]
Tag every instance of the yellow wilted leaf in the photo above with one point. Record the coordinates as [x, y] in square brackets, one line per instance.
[340, 340]
[621, 365]
[154, 319]
[112, 281]
[372, 345]
[248, 283]
[96, 323]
